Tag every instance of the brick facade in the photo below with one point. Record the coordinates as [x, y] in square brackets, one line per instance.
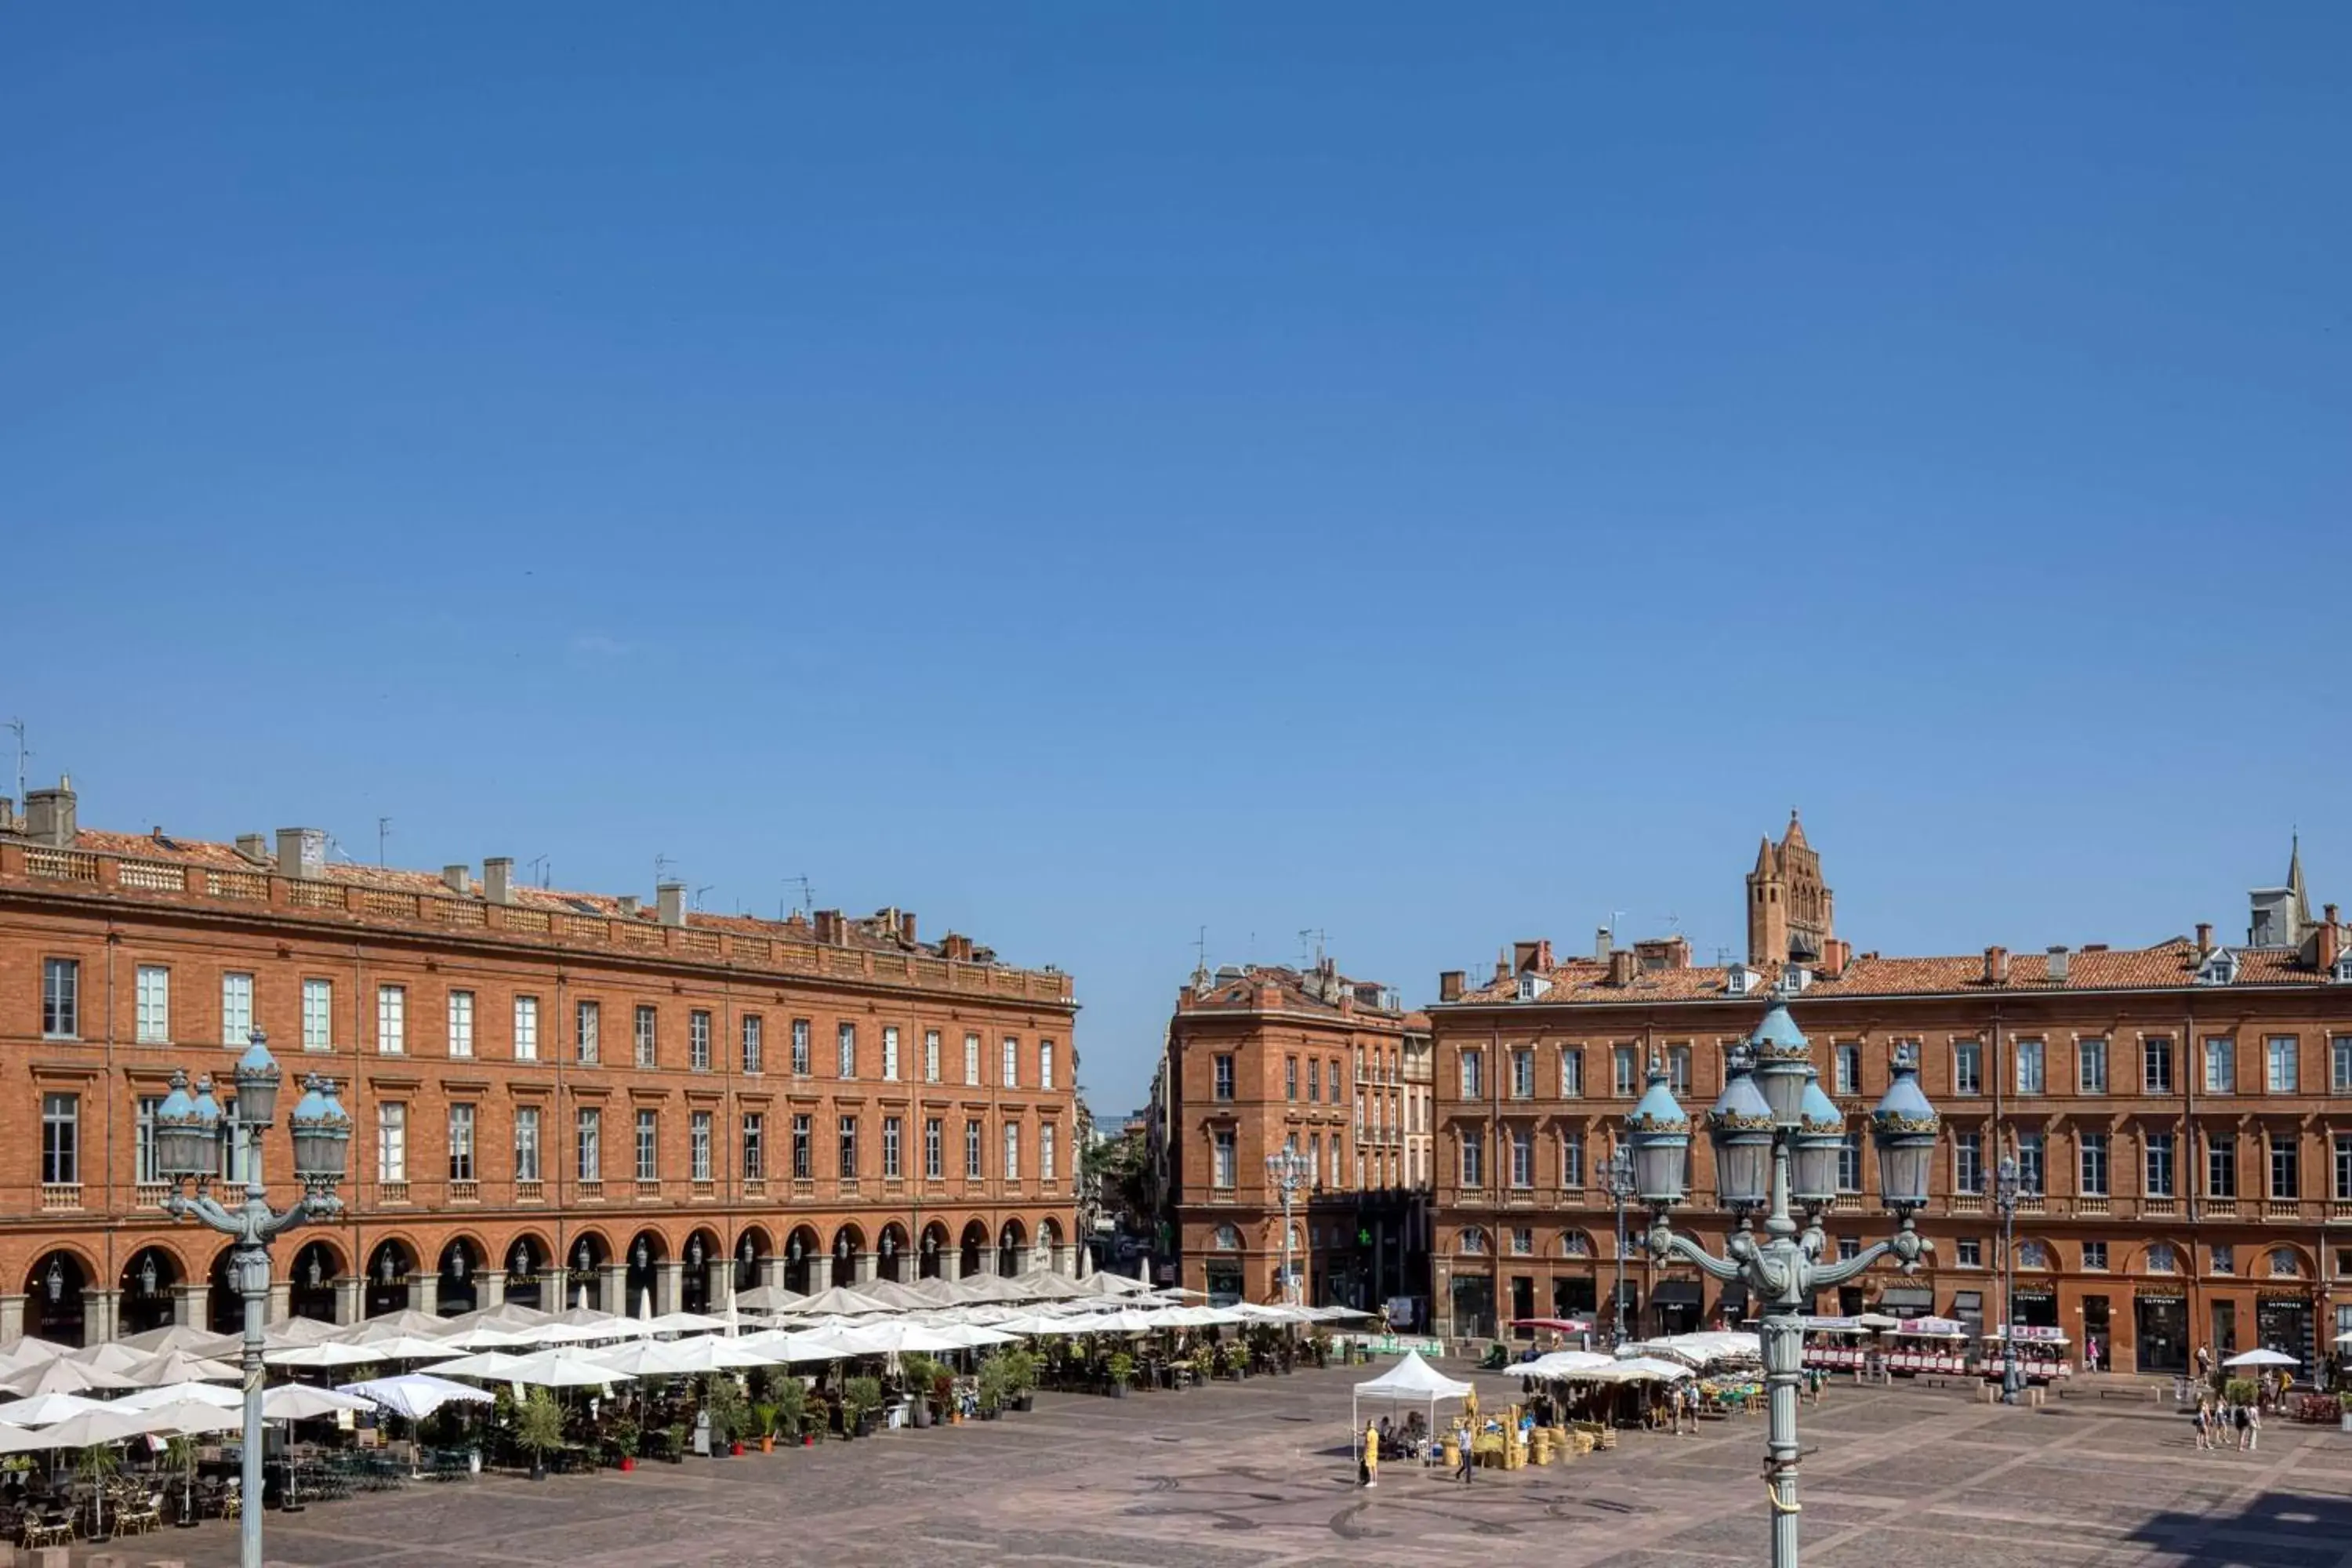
[418, 995]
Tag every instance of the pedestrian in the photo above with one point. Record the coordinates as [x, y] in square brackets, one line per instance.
[1469, 1463]
[1372, 1465]
[2203, 1420]
[2090, 1352]
[2204, 1363]
[2253, 1428]
[2239, 1422]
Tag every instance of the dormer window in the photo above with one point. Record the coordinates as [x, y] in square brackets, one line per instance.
[1534, 987]
[1794, 979]
[2220, 968]
[2341, 972]
[1740, 981]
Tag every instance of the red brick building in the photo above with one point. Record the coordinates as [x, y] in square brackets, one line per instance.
[2183, 1114]
[552, 1093]
[1261, 1058]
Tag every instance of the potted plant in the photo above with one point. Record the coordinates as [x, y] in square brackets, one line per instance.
[1020, 1375]
[722, 1400]
[1232, 1360]
[94, 1466]
[539, 1429]
[763, 1425]
[625, 1437]
[180, 1464]
[943, 1395]
[920, 1370]
[1122, 1373]
[2240, 1391]
[861, 1403]
[791, 1396]
[994, 1385]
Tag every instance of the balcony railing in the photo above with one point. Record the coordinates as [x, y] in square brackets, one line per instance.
[60, 1195]
[704, 1191]
[1846, 1203]
[802, 1188]
[650, 1190]
[390, 1193]
[461, 1191]
[755, 1187]
[530, 1192]
[2093, 1203]
[2282, 1208]
[2220, 1208]
[150, 1195]
[2033, 1203]
[2158, 1208]
[1968, 1202]
[588, 1192]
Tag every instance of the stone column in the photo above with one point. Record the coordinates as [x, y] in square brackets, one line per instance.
[613, 1283]
[771, 1272]
[669, 1278]
[188, 1304]
[490, 1288]
[424, 1292]
[719, 1276]
[99, 1322]
[282, 1301]
[554, 1288]
[12, 1316]
[350, 1299]
[1065, 1259]
[862, 1268]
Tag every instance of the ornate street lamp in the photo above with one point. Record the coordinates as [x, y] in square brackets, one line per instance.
[1287, 1169]
[1776, 1137]
[2008, 1186]
[189, 1135]
[1616, 1177]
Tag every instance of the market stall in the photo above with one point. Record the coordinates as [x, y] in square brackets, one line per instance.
[2041, 1354]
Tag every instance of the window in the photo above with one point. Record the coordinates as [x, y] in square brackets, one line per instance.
[236, 1154]
[890, 1136]
[804, 1160]
[890, 1053]
[649, 1145]
[2225, 1259]
[755, 1146]
[697, 1040]
[2161, 1258]
[2031, 1078]
[2155, 1065]
[930, 1056]
[698, 1146]
[2094, 1257]
[1474, 1075]
[1224, 1076]
[1849, 1248]
[61, 1139]
[1626, 1081]
[526, 1143]
[60, 998]
[1967, 1163]
[1969, 1252]
[392, 1141]
[2091, 1067]
[2286, 1166]
[1523, 1157]
[2031, 1254]
[1011, 1074]
[1314, 1083]
[972, 1066]
[1012, 1150]
[236, 1011]
[2339, 1070]
[2221, 1167]
[2220, 1065]
[142, 1163]
[801, 1046]
[2093, 1151]
[1849, 1069]
[934, 1157]
[1967, 1066]
[1474, 1158]
[1046, 1068]
[1523, 1240]
[971, 1172]
[2282, 1263]
[461, 1142]
[845, 1050]
[1678, 1068]
[2343, 1167]
[1290, 1078]
[846, 1145]
[588, 1143]
[318, 1015]
[526, 1028]
[391, 1019]
[155, 1004]
[2281, 1074]
[1848, 1177]
[647, 1034]
[1572, 1159]
[2030, 1167]
[1572, 1073]
[587, 1023]
[1474, 1239]
[461, 1022]
[1523, 1074]
[1334, 1158]
[2159, 1173]
[1331, 1079]
[755, 1046]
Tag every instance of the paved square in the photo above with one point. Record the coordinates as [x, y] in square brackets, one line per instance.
[1255, 1476]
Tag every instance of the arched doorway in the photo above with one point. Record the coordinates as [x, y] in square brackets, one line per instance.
[224, 1306]
[146, 1298]
[389, 1267]
[526, 1255]
[585, 1282]
[751, 1251]
[694, 1284]
[847, 1243]
[53, 1299]
[935, 1246]
[801, 1255]
[890, 1248]
[973, 1248]
[647, 1252]
[458, 1290]
[311, 1287]
[1049, 1242]
[1008, 1247]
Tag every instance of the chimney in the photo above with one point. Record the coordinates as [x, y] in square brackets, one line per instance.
[1996, 969]
[1532, 957]
[907, 927]
[1600, 945]
[2331, 939]
[458, 878]
[7, 814]
[1836, 953]
[49, 815]
[498, 878]
[957, 946]
[669, 899]
[628, 902]
[1449, 985]
[2058, 965]
[253, 846]
[302, 853]
[2204, 936]
[829, 927]
[1621, 967]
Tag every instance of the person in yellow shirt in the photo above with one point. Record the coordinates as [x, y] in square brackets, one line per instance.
[1372, 1455]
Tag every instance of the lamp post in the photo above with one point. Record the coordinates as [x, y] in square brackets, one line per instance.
[2008, 1185]
[1777, 1140]
[1616, 1175]
[1287, 1168]
[191, 1131]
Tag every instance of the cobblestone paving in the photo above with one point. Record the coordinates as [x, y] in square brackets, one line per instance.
[1255, 1476]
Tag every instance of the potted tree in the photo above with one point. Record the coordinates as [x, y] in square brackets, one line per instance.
[729, 1417]
[944, 1396]
[180, 1463]
[539, 1429]
[1122, 1373]
[94, 1466]
[791, 1396]
[993, 1385]
[1022, 1376]
[861, 1403]
[918, 1370]
[763, 1425]
[625, 1437]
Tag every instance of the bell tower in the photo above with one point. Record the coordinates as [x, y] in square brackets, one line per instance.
[1789, 910]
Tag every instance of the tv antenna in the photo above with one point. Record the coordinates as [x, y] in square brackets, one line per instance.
[695, 903]
[662, 864]
[1314, 947]
[1201, 949]
[16, 728]
[382, 832]
[541, 864]
[808, 896]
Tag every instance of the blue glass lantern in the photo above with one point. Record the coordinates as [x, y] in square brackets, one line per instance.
[1783, 1058]
[1819, 1141]
[1904, 1127]
[1658, 1131]
[1740, 1126]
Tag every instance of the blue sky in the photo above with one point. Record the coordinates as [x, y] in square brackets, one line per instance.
[1091, 473]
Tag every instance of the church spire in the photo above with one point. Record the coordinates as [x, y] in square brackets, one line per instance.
[2294, 886]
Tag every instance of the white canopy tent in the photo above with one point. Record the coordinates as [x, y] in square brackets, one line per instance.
[1411, 1381]
[416, 1394]
[2262, 1358]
